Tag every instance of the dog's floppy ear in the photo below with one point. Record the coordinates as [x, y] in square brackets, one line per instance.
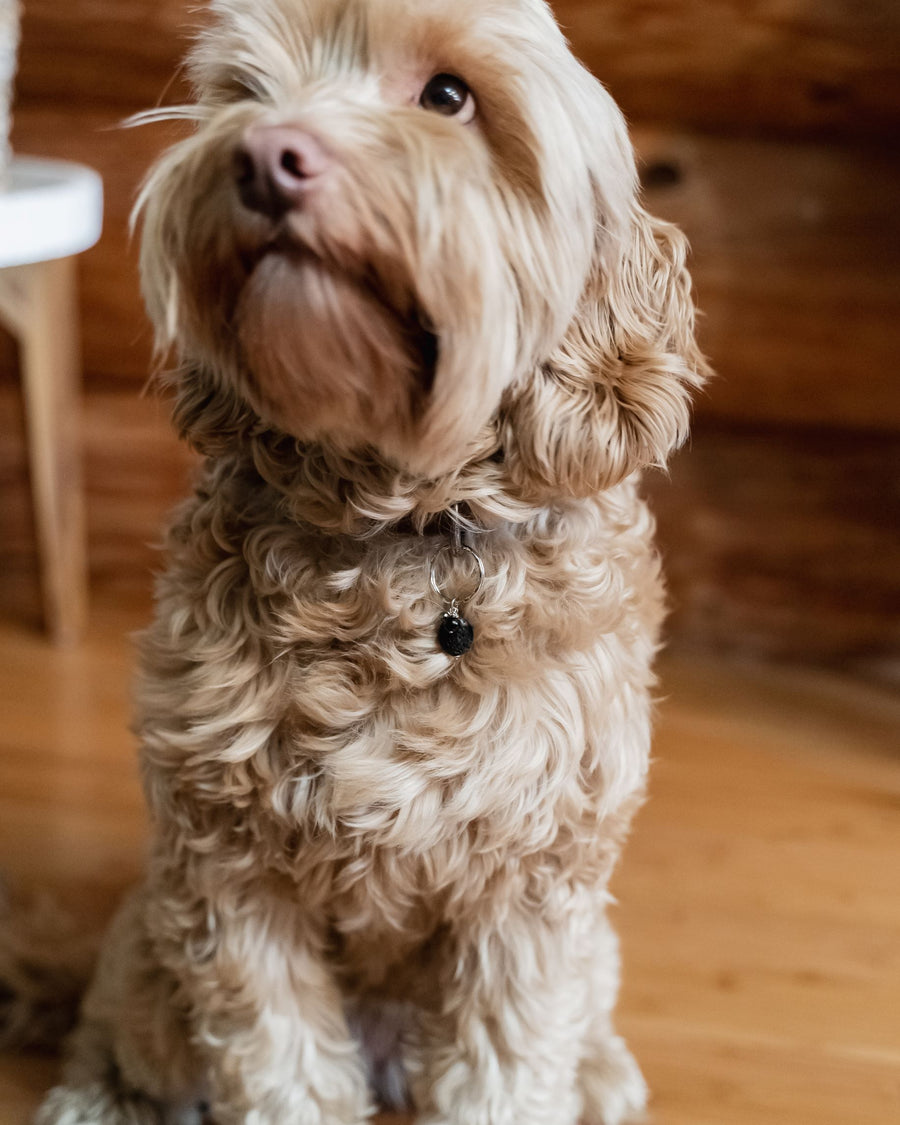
[615, 395]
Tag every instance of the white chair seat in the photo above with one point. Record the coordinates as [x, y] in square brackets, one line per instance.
[51, 209]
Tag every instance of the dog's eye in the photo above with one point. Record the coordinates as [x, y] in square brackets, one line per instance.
[450, 96]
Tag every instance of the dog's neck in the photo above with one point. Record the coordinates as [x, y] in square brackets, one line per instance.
[340, 494]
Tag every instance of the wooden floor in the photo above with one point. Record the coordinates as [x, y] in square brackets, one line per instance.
[759, 897]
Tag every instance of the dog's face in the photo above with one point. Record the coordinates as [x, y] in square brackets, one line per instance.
[395, 219]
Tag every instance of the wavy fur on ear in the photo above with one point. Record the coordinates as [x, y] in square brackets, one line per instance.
[615, 396]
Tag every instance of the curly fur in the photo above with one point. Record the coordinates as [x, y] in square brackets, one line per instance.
[377, 870]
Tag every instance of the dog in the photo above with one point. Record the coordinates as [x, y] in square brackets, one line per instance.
[395, 705]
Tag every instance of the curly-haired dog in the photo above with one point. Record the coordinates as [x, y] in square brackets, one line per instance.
[409, 284]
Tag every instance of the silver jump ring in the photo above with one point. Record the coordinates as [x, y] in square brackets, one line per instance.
[448, 549]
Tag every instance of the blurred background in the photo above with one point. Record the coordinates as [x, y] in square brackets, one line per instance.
[767, 128]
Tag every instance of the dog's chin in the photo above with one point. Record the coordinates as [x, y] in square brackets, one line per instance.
[327, 357]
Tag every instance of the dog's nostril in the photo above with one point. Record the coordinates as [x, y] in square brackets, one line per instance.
[292, 163]
[274, 167]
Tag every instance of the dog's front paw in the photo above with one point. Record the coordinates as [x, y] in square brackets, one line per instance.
[612, 1085]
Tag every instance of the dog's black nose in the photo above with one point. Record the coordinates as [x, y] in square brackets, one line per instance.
[274, 167]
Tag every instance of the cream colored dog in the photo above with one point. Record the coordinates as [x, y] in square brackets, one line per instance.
[423, 327]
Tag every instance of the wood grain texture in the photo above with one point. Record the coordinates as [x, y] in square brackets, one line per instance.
[135, 471]
[757, 899]
[116, 55]
[782, 543]
[796, 263]
[786, 67]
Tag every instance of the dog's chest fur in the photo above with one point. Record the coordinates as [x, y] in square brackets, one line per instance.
[311, 721]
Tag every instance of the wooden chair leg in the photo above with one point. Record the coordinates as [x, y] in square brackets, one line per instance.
[49, 340]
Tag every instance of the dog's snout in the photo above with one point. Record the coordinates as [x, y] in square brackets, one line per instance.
[274, 166]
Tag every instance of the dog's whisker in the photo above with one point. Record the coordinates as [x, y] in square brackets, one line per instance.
[165, 113]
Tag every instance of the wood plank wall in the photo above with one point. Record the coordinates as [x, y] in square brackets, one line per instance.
[768, 130]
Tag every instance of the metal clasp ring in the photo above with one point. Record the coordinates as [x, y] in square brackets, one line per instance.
[449, 549]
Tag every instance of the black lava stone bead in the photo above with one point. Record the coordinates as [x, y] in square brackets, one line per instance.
[455, 635]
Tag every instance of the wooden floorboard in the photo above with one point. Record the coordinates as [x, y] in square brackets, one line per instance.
[758, 899]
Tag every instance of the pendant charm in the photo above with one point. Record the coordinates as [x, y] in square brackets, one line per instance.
[455, 635]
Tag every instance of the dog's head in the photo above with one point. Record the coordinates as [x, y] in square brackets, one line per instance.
[411, 227]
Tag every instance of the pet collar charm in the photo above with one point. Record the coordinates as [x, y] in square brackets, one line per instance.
[455, 634]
